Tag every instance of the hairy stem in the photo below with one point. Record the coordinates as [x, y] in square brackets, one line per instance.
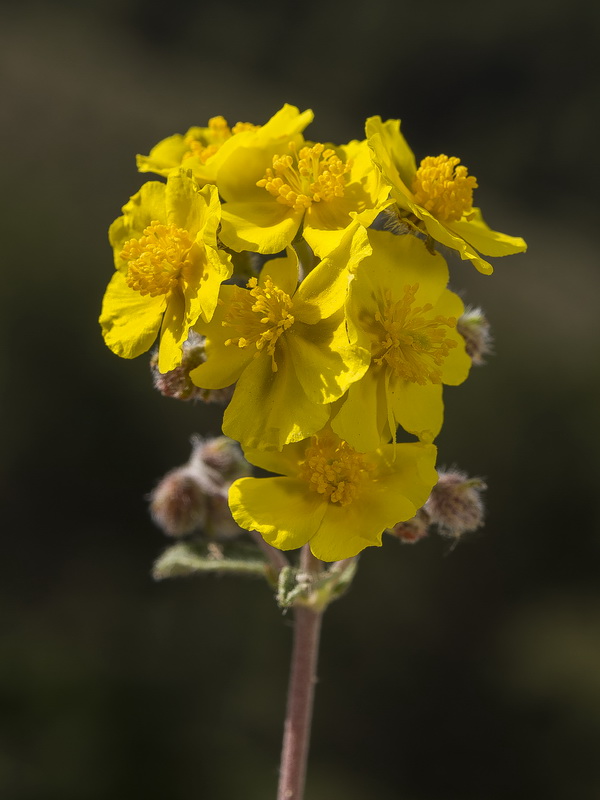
[296, 732]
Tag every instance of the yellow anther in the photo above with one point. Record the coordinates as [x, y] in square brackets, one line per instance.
[218, 127]
[332, 468]
[444, 188]
[156, 261]
[259, 316]
[409, 340]
[240, 127]
[312, 175]
[205, 142]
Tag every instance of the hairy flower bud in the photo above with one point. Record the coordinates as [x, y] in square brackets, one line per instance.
[220, 457]
[177, 383]
[455, 505]
[178, 505]
[194, 497]
[475, 330]
[412, 530]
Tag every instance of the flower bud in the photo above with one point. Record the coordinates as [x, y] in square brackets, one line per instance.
[194, 497]
[177, 383]
[412, 530]
[178, 505]
[221, 457]
[455, 504]
[475, 330]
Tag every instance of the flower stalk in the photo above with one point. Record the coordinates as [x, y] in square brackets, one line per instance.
[296, 732]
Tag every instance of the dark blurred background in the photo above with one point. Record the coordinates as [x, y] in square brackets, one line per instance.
[470, 673]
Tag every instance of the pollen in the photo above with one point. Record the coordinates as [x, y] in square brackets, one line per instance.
[333, 469]
[409, 340]
[300, 178]
[204, 143]
[260, 316]
[157, 259]
[444, 188]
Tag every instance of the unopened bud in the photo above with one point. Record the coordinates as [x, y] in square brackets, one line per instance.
[475, 330]
[223, 456]
[194, 497]
[412, 530]
[177, 383]
[178, 505]
[218, 463]
[455, 504]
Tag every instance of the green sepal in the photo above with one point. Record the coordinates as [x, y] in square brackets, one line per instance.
[297, 588]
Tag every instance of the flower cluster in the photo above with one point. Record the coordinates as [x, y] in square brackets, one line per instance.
[300, 280]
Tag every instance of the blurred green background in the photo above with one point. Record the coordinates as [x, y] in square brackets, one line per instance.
[470, 673]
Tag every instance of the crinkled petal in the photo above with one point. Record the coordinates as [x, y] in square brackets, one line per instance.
[265, 227]
[174, 332]
[484, 239]
[444, 235]
[324, 359]
[187, 207]
[130, 321]
[284, 272]
[164, 157]
[282, 462]
[323, 290]
[394, 144]
[270, 409]
[345, 531]
[419, 409]
[362, 417]
[410, 471]
[283, 510]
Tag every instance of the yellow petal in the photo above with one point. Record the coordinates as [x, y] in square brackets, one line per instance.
[130, 322]
[419, 409]
[362, 418]
[394, 144]
[173, 333]
[265, 227]
[282, 510]
[164, 157]
[270, 409]
[484, 239]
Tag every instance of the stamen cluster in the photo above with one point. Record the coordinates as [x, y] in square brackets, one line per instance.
[157, 259]
[334, 469]
[310, 176]
[413, 342]
[444, 188]
[261, 316]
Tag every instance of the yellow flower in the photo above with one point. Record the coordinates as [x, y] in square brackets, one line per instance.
[273, 188]
[405, 316]
[437, 197]
[338, 500]
[203, 149]
[168, 268]
[286, 345]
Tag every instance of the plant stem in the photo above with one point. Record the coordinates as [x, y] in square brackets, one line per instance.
[296, 732]
[276, 557]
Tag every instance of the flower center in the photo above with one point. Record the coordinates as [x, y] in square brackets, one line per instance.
[312, 175]
[444, 188]
[260, 316]
[332, 468]
[157, 259]
[410, 341]
[205, 144]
